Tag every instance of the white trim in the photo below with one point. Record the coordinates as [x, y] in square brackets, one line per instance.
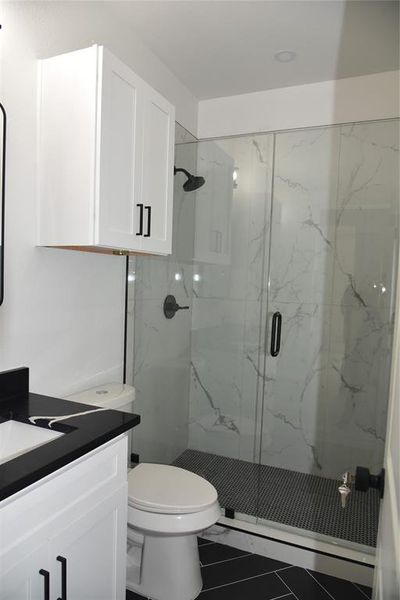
[293, 535]
[294, 549]
[390, 479]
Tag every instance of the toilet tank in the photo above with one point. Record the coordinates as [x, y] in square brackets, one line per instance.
[116, 396]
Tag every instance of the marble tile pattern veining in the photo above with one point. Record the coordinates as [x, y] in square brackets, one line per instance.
[228, 297]
[327, 265]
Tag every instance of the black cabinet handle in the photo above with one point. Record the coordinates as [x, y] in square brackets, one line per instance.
[148, 208]
[63, 562]
[276, 333]
[140, 207]
[46, 588]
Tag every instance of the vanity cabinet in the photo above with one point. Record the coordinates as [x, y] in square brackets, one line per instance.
[83, 557]
[106, 151]
[68, 532]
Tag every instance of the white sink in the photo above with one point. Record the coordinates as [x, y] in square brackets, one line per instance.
[17, 438]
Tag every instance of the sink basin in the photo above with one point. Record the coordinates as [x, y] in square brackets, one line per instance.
[17, 438]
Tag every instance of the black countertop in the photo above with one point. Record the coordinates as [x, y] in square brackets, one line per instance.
[82, 434]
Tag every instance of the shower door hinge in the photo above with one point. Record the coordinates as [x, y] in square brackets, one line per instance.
[229, 513]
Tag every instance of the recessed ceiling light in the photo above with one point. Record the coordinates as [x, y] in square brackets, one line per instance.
[285, 56]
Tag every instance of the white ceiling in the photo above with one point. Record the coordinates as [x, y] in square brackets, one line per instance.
[221, 48]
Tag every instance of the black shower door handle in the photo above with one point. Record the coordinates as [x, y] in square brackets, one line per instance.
[276, 328]
[140, 207]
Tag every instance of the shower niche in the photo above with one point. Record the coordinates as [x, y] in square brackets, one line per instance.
[214, 206]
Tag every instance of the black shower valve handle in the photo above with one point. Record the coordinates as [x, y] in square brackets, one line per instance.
[176, 307]
[171, 307]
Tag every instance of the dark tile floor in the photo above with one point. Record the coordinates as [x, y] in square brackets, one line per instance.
[231, 574]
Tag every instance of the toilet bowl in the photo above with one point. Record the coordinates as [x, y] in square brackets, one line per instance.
[167, 508]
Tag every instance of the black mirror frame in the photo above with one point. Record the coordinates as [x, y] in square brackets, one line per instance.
[2, 201]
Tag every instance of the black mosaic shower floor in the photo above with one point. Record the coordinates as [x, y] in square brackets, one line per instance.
[288, 497]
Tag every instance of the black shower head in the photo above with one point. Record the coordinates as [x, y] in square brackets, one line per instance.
[193, 181]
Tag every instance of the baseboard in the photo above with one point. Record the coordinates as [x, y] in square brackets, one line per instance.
[295, 549]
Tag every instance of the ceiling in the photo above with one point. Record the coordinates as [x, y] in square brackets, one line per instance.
[222, 48]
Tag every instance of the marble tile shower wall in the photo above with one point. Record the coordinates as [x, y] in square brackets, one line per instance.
[228, 296]
[366, 238]
[161, 360]
[331, 256]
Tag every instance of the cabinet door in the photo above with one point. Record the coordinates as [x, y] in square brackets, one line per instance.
[24, 581]
[94, 551]
[157, 172]
[119, 147]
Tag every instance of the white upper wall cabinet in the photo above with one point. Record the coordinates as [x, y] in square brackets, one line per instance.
[157, 173]
[106, 150]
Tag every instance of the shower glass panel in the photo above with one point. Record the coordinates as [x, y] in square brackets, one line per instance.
[231, 241]
[331, 276]
[161, 347]
[302, 223]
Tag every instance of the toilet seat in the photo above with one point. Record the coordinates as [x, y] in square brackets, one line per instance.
[157, 524]
[169, 490]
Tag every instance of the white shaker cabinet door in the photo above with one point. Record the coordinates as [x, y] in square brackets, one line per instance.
[87, 558]
[157, 172]
[120, 135]
[28, 579]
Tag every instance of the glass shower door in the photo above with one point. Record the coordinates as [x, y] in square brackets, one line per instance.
[331, 265]
[232, 234]
[301, 224]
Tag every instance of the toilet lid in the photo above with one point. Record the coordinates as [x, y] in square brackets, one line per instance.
[169, 490]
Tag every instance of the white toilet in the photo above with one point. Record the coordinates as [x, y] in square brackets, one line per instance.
[167, 508]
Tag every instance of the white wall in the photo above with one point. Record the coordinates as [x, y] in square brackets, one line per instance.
[50, 28]
[63, 311]
[342, 101]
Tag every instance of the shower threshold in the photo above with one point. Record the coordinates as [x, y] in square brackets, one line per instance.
[299, 500]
